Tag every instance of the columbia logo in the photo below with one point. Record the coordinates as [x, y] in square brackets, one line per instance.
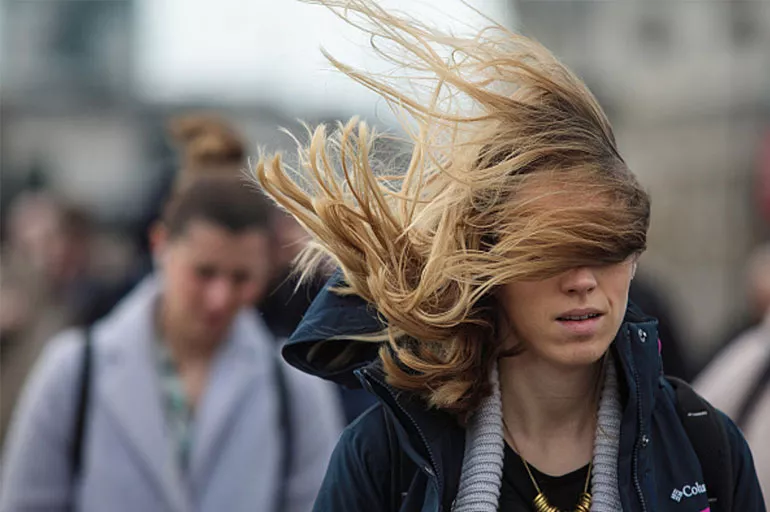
[688, 491]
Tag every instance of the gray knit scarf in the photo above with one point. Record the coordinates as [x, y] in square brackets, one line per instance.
[482, 470]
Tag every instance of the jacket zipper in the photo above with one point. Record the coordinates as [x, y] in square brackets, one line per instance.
[640, 425]
[433, 470]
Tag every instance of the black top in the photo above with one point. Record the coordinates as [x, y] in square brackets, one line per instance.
[517, 492]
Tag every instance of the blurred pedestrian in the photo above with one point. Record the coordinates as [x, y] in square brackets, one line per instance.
[176, 400]
[757, 301]
[738, 380]
[287, 300]
[45, 284]
[511, 374]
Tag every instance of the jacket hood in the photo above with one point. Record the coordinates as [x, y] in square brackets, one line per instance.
[327, 342]
[325, 345]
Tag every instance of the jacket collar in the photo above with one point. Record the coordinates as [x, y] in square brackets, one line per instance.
[637, 354]
[326, 331]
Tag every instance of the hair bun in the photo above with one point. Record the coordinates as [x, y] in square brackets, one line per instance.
[206, 142]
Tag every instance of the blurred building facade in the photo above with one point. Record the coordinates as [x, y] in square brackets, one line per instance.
[70, 115]
[687, 85]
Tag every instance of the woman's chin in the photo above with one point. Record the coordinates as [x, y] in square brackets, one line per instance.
[575, 355]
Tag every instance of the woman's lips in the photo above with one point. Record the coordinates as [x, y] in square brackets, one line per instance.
[582, 327]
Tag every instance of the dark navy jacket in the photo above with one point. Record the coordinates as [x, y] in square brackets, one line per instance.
[402, 455]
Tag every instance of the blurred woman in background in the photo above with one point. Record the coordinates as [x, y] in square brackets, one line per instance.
[176, 402]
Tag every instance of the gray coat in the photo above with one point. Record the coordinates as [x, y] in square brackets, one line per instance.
[128, 461]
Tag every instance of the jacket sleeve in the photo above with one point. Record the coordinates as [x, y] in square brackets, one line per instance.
[36, 464]
[747, 494]
[317, 422]
[359, 472]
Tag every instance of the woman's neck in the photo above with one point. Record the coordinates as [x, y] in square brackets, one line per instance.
[183, 348]
[549, 411]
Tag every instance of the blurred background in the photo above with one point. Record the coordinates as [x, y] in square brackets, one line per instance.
[87, 85]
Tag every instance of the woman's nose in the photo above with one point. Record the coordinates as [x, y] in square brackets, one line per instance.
[580, 281]
[220, 294]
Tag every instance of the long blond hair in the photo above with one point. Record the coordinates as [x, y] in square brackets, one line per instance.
[514, 174]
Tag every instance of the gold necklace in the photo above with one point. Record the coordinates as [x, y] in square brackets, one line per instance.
[540, 502]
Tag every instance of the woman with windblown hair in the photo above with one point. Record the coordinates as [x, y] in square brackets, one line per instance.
[483, 297]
